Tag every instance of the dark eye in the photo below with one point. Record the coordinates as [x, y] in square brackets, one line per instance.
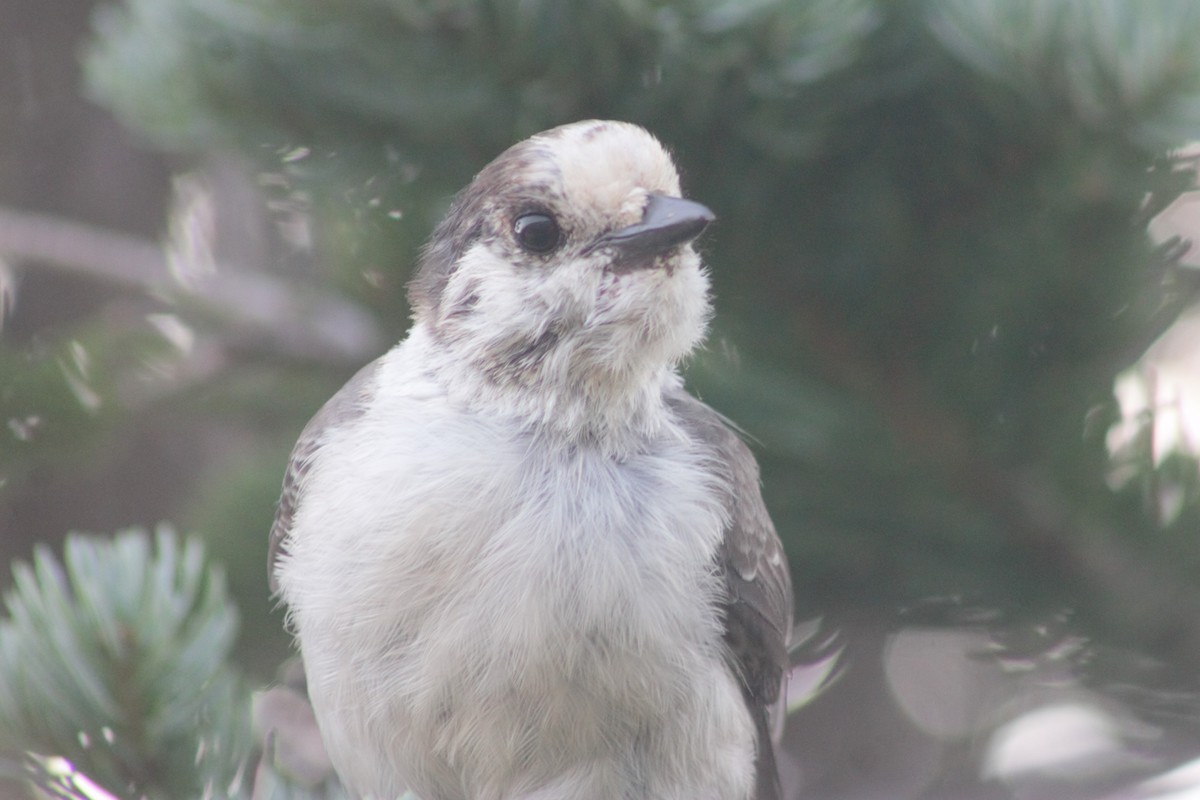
[537, 232]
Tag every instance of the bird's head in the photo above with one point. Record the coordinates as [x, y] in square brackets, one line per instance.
[565, 272]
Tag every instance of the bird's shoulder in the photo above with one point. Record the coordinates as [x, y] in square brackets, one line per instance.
[751, 554]
[346, 406]
[757, 606]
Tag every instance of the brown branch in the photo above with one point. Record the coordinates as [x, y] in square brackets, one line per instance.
[297, 321]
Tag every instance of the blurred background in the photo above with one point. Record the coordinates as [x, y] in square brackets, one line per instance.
[955, 296]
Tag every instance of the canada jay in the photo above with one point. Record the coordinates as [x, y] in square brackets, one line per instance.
[519, 559]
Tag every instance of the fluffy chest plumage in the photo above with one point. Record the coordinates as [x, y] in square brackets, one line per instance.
[517, 608]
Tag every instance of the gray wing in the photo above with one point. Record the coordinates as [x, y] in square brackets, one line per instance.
[758, 602]
[347, 405]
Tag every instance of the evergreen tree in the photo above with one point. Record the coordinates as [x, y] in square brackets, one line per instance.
[931, 260]
[116, 661]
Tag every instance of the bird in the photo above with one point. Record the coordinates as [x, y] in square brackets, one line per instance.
[519, 558]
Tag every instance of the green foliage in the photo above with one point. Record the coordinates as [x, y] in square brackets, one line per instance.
[466, 78]
[1112, 66]
[116, 658]
[931, 265]
[58, 396]
[930, 260]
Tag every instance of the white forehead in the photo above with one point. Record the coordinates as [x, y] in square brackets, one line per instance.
[603, 165]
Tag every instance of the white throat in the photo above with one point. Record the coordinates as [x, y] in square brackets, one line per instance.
[569, 394]
[577, 352]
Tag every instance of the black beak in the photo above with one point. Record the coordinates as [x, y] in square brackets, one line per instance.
[667, 222]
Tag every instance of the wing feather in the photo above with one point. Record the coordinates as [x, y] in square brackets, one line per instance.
[347, 405]
[757, 607]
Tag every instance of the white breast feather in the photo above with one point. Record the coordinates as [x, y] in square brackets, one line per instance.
[449, 684]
